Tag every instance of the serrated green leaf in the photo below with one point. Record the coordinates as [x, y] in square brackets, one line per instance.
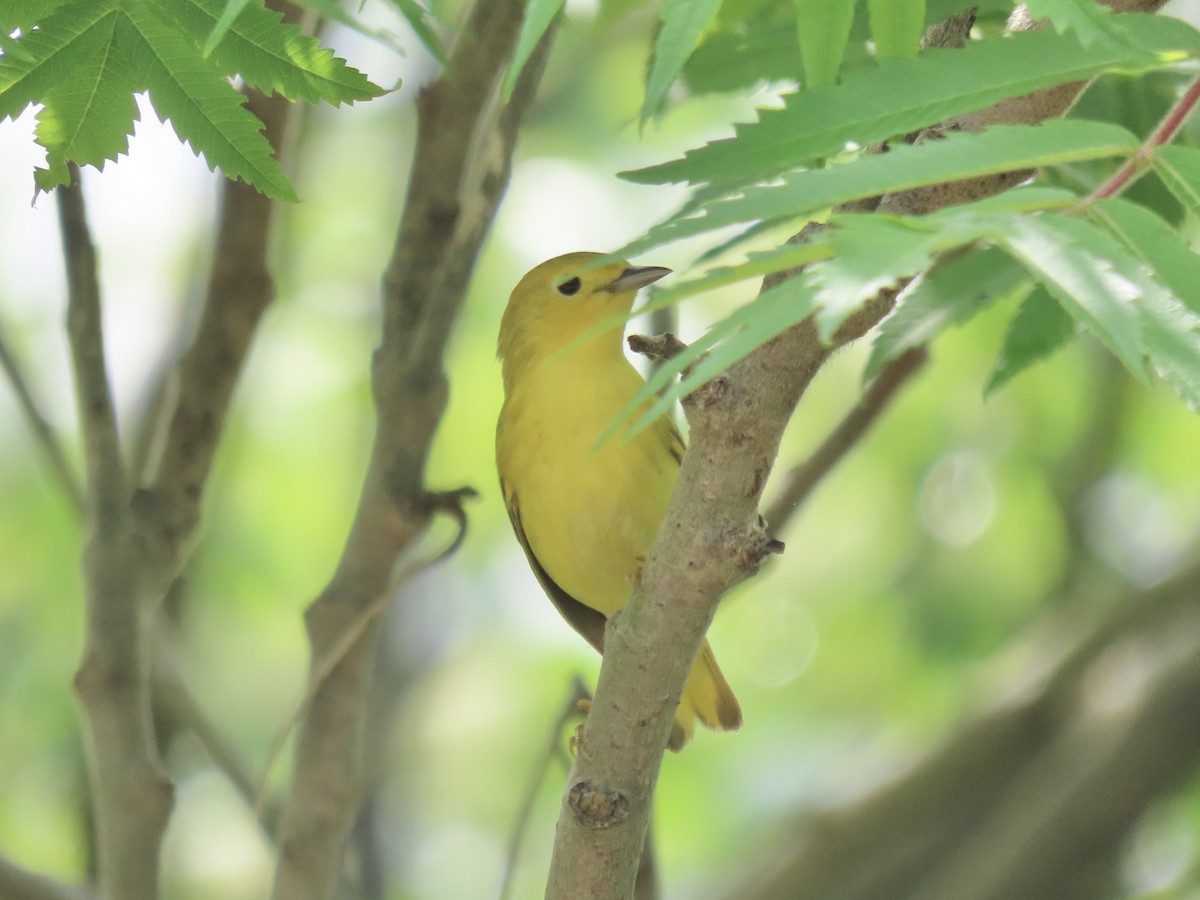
[901, 96]
[538, 16]
[1178, 168]
[768, 315]
[201, 105]
[272, 55]
[683, 22]
[1089, 274]
[88, 120]
[961, 155]
[1156, 244]
[1171, 337]
[335, 11]
[823, 28]
[24, 14]
[758, 47]
[1086, 18]
[1039, 328]
[952, 292]
[64, 42]
[85, 60]
[233, 9]
[896, 27]
[871, 252]
[785, 256]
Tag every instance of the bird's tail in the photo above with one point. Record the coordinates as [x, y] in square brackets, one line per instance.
[706, 697]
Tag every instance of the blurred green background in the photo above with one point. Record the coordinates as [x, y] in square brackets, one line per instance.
[928, 578]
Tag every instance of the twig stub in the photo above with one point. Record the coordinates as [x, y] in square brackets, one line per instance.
[656, 347]
[597, 808]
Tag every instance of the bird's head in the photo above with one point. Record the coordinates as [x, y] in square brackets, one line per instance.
[564, 298]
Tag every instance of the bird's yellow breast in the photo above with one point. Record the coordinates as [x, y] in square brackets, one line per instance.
[589, 512]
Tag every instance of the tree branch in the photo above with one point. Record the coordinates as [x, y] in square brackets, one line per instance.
[951, 819]
[240, 290]
[801, 480]
[105, 470]
[551, 750]
[17, 883]
[709, 541]
[131, 794]
[43, 433]
[139, 540]
[465, 140]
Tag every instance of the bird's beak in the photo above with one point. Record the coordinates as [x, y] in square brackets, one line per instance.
[634, 278]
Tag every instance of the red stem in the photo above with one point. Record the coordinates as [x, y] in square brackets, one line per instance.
[1163, 134]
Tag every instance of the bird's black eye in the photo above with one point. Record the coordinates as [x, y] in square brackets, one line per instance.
[570, 287]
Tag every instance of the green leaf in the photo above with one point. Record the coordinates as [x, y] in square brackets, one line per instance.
[768, 315]
[823, 28]
[786, 256]
[201, 105]
[1156, 244]
[85, 60]
[233, 9]
[960, 155]
[896, 27]
[335, 11]
[1087, 272]
[871, 252]
[416, 16]
[1086, 18]
[67, 41]
[538, 16]
[272, 55]
[89, 120]
[760, 47]
[1171, 335]
[1039, 328]
[953, 291]
[24, 14]
[683, 22]
[901, 96]
[1179, 169]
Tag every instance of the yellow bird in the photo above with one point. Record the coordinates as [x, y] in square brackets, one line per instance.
[586, 515]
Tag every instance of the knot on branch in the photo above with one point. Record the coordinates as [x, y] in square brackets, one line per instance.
[750, 546]
[656, 347]
[708, 394]
[597, 808]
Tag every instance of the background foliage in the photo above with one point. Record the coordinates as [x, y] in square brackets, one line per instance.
[933, 576]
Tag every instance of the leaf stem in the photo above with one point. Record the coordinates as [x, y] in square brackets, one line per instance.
[1137, 164]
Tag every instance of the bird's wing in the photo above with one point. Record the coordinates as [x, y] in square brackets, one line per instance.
[587, 621]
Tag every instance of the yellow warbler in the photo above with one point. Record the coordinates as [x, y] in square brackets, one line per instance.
[586, 514]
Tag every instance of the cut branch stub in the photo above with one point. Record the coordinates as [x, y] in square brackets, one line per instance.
[597, 807]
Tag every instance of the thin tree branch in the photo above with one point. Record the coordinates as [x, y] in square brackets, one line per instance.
[139, 542]
[801, 480]
[930, 824]
[105, 470]
[43, 433]
[130, 792]
[175, 702]
[710, 540]
[240, 290]
[551, 750]
[170, 692]
[465, 140]
[17, 883]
